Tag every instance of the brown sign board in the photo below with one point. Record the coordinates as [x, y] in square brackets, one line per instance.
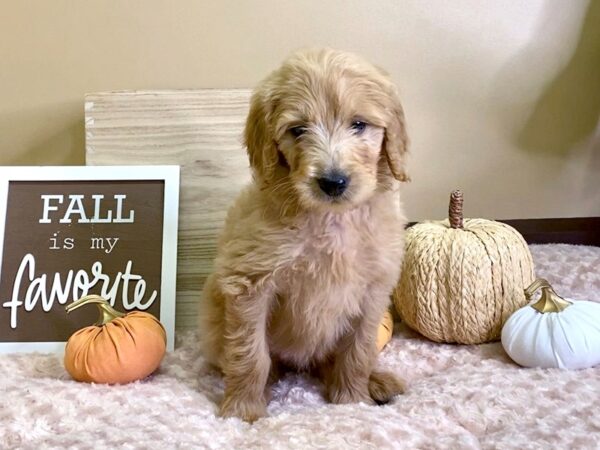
[66, 232]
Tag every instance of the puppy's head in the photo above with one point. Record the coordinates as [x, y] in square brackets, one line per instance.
[329, 127]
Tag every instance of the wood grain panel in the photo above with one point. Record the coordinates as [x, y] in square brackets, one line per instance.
[200, 130]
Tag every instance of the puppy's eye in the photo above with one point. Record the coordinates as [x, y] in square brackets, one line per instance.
[358, 126]
[298, 131]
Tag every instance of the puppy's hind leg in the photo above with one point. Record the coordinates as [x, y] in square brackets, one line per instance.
[383, 386]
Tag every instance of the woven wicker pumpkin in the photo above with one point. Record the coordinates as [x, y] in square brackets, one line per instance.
[461, 280]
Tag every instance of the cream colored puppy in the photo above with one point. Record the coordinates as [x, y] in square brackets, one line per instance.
[312, 249]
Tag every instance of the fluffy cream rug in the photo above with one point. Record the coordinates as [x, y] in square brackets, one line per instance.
[465, 397]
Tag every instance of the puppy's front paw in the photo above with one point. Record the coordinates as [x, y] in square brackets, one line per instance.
[342, 395]
[383, 386]
[243, 408]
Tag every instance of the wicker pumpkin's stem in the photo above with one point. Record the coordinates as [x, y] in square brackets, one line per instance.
[455, 210]
[107, 312]
[550, 301]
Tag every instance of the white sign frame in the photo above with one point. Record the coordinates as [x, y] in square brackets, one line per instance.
[168, 174]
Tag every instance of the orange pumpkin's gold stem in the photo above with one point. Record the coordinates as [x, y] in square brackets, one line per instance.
[455, 210]
[107, 312]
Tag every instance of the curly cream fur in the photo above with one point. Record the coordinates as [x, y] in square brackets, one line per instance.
[303, 279]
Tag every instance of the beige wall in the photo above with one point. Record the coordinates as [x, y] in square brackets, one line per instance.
[502, 97]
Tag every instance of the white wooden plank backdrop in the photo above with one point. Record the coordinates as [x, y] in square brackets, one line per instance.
[200, 130]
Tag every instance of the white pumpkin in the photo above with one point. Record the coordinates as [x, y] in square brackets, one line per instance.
[553, 332]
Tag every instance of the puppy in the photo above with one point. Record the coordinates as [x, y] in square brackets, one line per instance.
[312, 248]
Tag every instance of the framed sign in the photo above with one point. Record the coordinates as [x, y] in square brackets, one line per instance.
[69, 231]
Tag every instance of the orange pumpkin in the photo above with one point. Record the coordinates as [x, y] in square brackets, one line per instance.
[118, 348]
[385, 330]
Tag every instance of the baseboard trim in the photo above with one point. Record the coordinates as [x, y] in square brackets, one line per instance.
[568, 230]
[564, 230]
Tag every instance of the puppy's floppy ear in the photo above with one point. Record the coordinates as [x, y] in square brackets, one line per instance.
[395, 143]
[258, 136]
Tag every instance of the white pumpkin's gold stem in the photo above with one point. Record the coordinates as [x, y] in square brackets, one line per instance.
[550, 301]
[455, 209]
[107, 312]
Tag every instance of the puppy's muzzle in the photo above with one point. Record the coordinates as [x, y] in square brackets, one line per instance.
[333, 184]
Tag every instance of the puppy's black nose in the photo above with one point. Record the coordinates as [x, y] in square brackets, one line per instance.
[333, 184]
